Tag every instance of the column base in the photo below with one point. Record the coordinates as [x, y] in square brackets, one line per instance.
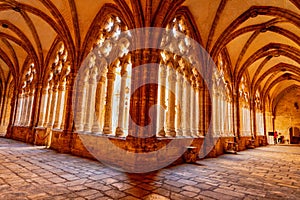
[171, 132]
[187, 133]
[96, 129]
[179, 132]
[119, 132]
[107, 130]
[162, 132]
[87, 128]
[79, 127]
[56, 126]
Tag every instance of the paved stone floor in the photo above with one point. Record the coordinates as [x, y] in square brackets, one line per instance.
[29, 172]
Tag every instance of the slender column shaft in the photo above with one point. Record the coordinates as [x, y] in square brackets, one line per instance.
[81, 104]
[162, 101]
[109, 101]
[48, 107]
[98, 120]
[184, 108]
[90, 109]
[179, 104]
[59, 106]
[64, 107]
[196, 113]
[200, 112]
[25, 110]
[192, 110]
[43, 109]
[53, 106]
[171, 103]
[30, 107]
[188, 110]
[120, 128]
[19, 111]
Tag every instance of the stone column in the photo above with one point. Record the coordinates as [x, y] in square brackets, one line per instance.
[214, 108]
[64, 108]
[109, 102]
[53, 105]
[196, 112]
[227, 117]
[201, 112]
[186, 108]
[179, 104]
[81, 96]
[171, 103]
[221, 113]
[188, 127]
[162, 101]
[208, 113]
[90, 109]
[48, 106]
[43, 108]
[60, 106]
[193, 109]
[19, 111]
[121, 117]
[230, 117]
[235, 113]
[30, 107]
[25, 110]
[98, 120]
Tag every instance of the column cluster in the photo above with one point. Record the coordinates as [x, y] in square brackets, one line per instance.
[179, 98]
[52, 107]
[103, 84]
[179, 91]
[221, 103]
[26, 96]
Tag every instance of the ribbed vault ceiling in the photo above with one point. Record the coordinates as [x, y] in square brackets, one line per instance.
[261, 38]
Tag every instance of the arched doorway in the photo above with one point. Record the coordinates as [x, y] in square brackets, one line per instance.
[294, 135]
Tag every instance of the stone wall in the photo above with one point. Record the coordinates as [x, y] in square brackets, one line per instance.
[287, 115]
[21, 133]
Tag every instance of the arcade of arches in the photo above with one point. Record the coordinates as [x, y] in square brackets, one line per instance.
[58, 78]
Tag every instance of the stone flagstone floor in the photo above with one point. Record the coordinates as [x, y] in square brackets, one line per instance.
[30, 172]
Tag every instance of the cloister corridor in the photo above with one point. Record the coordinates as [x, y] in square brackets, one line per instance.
[150, 99]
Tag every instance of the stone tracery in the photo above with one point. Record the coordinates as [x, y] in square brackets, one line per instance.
[179, 91]
[102, 88]
[26, 96]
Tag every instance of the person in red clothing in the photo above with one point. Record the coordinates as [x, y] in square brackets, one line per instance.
[275, 137]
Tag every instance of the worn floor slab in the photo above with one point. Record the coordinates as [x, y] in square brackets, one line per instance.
[29, 172]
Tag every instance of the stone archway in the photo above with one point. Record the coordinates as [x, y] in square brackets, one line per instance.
[294, 135]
